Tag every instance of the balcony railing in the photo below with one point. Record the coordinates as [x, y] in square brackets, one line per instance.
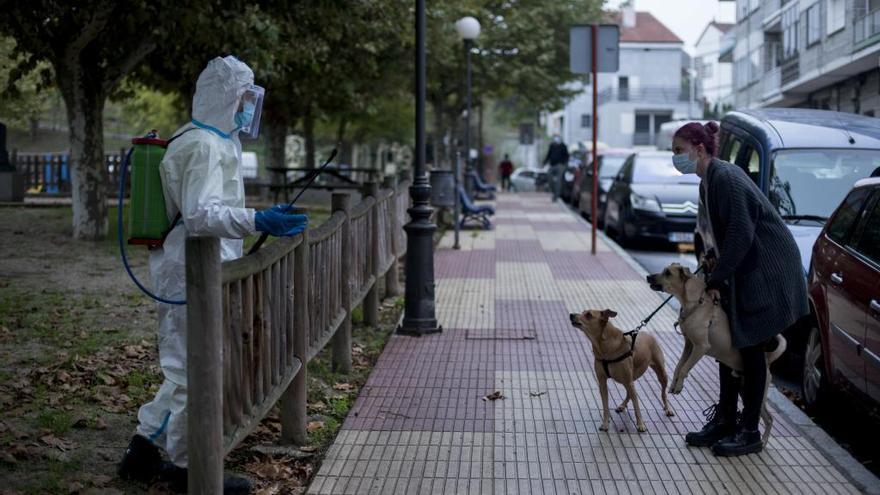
[791, 70]
[866, 25]
[772, 83]
[644, 94]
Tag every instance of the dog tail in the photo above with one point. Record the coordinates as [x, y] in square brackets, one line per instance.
[780, 345]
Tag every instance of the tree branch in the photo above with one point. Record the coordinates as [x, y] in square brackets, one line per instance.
[90, 31]
[117, 71]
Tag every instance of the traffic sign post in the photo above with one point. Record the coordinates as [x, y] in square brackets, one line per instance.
[594, 49]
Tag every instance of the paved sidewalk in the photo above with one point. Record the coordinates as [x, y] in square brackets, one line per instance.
[420, 425]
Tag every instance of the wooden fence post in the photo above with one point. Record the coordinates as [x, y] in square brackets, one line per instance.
[293, 401]
[392, 276]
[342, 337]
[204, 352]
[371, 301]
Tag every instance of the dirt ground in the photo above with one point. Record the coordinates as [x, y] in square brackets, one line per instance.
[78, 357]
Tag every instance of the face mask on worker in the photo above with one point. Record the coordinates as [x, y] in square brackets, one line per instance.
[557, 139]
[247, 117]
[683, 163]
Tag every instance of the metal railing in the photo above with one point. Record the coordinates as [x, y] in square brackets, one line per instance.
[865, 24]
[49, 174]
[645, 94]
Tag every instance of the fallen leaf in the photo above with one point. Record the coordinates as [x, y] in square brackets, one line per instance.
[107, 379]
[308, 448]
[314, 425]
[343, 386]
[7, 457]
[74, 487]
[101, 480]
[318, 406]
[58, 443]
[494, 396]
[100, 424]
[537, 394]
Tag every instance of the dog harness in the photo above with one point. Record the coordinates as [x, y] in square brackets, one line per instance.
[684, 315]
[605, 362]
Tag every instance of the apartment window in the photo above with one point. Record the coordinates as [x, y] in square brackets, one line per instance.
[742, 73]
[836, 15]
[790, 32]
[814, 29]
[586, 120]
[755, 64]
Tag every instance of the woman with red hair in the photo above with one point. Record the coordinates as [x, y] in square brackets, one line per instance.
[755, 272]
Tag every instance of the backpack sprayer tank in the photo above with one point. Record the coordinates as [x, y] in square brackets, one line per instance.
[147, 219]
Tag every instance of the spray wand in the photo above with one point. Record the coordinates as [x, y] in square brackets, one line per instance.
[314, 175]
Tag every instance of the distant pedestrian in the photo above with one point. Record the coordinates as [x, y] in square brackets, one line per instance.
[755, 272]
[557, 158]
[505, 168]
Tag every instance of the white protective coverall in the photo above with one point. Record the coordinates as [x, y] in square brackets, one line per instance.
[201, 178]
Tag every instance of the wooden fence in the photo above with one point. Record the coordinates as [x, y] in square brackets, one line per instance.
[272, 312]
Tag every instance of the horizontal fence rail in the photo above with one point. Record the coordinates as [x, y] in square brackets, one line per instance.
[284, 304]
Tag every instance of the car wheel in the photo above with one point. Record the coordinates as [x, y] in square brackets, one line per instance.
[813, 377]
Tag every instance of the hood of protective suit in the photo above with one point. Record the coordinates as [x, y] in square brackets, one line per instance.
[218, 91]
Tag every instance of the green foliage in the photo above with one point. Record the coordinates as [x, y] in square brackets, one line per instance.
[23, 97]
[57, 421]
[148, 109]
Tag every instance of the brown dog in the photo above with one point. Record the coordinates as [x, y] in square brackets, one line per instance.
[609, 345]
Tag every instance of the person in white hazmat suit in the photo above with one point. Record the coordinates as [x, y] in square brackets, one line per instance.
[201, 179]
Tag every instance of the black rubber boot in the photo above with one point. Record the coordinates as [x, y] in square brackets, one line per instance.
[141, 462]
[716, 429]
[742, 443]
[176, 478]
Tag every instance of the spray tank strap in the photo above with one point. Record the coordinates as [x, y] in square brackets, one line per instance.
[172, 138]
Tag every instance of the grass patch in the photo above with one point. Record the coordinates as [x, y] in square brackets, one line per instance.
[59, 422]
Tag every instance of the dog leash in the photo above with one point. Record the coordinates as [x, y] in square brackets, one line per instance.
[652, 315]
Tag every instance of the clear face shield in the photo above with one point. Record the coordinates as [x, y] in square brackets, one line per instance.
[247, 116]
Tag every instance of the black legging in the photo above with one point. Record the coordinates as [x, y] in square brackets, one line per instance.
[753, 380]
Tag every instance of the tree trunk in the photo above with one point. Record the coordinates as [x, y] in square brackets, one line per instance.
[309, 132]
[439, 132]
[276, 136]
[84, 100]
[345, 151]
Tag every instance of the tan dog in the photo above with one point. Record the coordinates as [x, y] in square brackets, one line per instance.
[610, 344]
[706, 330]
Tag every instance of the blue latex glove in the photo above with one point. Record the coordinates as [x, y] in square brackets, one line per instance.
[274, 222]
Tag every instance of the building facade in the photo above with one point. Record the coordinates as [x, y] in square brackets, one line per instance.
[714, 78]
[649, 89]
[807, 53]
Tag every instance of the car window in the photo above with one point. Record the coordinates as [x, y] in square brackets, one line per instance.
[840, 227]
[610, 165]
[527, 174]
[815, 181]
[731, 149]
[750, 161]
[659, 170]
[869, 242]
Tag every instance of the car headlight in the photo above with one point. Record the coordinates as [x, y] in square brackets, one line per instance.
[644, 204]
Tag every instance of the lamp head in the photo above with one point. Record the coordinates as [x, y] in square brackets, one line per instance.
[468, 28]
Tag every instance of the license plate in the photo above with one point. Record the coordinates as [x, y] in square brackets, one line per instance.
[681, 237]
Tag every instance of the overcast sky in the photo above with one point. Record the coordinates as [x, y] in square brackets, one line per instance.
[686, 18]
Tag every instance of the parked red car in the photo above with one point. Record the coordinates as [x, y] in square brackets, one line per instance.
[843, 348]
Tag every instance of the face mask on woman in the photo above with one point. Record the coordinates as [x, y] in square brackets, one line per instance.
[683, 163]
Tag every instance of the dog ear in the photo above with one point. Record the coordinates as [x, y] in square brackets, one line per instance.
[588, 315]
[606, 314]
[684, 273]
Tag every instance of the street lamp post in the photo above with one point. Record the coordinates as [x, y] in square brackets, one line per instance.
[468, 29]
[419, 315]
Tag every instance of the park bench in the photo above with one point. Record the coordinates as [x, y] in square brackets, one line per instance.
[471, 211]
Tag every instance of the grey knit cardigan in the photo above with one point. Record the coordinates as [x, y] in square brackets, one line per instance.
[759, 261]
